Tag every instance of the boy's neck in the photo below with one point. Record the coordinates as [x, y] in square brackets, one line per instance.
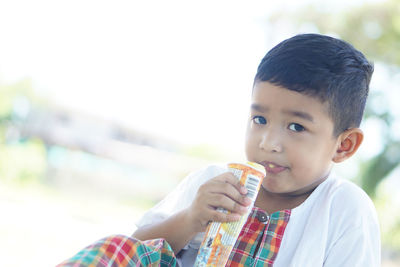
[272, 202]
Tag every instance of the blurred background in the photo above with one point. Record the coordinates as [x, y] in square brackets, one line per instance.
[106, 105]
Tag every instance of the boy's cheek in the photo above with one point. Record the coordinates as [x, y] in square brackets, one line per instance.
[247, 145]
[251, 147]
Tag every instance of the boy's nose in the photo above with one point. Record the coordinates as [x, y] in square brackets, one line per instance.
[271, 142]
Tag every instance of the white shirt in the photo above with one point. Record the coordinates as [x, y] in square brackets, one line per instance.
[336, 225]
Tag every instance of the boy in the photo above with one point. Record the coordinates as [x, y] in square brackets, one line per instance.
[307, 103]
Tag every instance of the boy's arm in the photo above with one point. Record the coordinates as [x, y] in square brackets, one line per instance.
[176, 230]
[222, 191]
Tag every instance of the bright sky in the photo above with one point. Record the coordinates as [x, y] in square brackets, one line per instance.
[179, 69]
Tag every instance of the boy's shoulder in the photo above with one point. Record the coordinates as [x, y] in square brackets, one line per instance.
[345, 198]
[346, 190]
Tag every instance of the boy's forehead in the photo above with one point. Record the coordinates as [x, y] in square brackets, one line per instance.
[267, 95]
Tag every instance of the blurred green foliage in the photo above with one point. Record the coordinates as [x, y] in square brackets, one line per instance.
[9, 94]
[373, 28]
[21, 161]
[389, 220]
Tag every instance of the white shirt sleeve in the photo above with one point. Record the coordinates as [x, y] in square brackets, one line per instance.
[356, 248]
[182, 196]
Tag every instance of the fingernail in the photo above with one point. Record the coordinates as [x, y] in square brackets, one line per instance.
[243, 190]
[247, 201]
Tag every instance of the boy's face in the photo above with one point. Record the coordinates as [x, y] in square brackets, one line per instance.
[291, 134]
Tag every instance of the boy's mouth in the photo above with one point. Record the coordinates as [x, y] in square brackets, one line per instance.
[272, 167]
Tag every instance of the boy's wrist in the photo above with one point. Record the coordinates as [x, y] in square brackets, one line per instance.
[189, 222]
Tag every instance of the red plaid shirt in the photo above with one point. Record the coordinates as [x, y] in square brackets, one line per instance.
[259, 241]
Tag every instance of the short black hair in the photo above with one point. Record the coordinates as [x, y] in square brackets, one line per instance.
[323, 67]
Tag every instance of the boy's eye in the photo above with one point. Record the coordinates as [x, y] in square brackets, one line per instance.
[259, 120]
[296, 127]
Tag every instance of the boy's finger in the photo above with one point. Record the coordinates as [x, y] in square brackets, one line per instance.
[218, 216]
[228, 177]
[231, 191]
[222, 201]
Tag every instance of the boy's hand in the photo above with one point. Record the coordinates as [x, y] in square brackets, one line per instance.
[223, 191]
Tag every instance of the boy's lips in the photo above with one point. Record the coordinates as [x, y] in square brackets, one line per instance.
[272, 167]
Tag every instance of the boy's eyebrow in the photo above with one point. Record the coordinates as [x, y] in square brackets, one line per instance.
[295, 113]
[300, 114]
[259, 108]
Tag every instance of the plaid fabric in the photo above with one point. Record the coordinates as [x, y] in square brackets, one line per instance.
[123, 251]
[258, 243]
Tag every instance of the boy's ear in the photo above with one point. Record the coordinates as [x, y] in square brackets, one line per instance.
[348, 143]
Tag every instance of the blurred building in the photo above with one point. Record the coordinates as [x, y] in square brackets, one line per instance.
[85, 153]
